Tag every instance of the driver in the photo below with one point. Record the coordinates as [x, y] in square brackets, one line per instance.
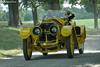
[68, 17]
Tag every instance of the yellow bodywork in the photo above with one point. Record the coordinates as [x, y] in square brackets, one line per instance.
[81, 37]
[64, 31]
[25, 32]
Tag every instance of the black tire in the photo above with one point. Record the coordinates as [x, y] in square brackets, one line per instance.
[27, 51]
[81, 50]
[70, 50]
[45, 54]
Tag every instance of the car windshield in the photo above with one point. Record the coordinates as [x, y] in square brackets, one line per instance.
[54, 15]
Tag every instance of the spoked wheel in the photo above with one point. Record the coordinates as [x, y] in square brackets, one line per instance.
[81, 50]
[45, 54]
[27, 45]
[69, 47]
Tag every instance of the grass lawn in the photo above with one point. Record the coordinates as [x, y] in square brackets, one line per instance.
[89, 23]
[10, 42]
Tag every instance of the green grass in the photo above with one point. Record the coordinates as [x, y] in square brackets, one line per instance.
[89, 23]
[9, 40]
[9, 37]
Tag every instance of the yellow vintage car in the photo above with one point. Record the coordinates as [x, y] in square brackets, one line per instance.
[53, 35]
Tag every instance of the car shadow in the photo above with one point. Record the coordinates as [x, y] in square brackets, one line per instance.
[50, 56]
[92, 58]
[55, 56]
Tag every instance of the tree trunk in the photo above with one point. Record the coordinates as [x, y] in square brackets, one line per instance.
[35, 15]
[13, 14]
[95, 13]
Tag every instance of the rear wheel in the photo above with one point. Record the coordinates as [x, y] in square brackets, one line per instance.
[81, 50]
[27, 51]
[69, 47]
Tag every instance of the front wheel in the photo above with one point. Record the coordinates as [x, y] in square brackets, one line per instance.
[69, 47]
[27, 51]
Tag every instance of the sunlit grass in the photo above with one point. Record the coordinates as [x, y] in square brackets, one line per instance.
[9, 53]
[89, 23]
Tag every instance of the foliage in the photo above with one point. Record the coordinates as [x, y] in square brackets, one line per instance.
[73, 2]
[88, 4]
[3, 15]
[81, 13]
[32, 3]
[28, 16]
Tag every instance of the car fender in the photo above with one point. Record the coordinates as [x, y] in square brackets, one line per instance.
[82, 27]
[25, 32]
[81, 38]
[66, 31]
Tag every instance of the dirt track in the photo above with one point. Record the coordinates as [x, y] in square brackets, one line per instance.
[91, 58]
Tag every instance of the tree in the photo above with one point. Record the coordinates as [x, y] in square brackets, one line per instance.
[34, 4]
[46, 4]
[90, 6]
[13, 12]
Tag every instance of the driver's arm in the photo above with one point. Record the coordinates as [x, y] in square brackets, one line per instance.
[71, 17]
